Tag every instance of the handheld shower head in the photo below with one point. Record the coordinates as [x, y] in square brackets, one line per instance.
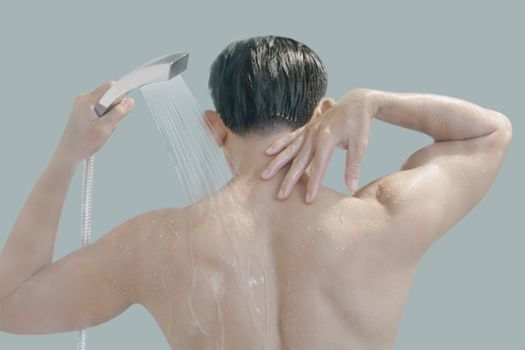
[159, 69]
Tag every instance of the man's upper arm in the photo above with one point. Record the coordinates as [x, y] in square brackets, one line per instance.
[438, 185]
[87, 287]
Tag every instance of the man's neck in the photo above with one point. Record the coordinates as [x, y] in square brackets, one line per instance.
[248, 158]
[247, 154]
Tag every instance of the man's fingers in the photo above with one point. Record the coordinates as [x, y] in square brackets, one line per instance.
[101, 90]
[352, 169]
[318, 169]
[283, 158]
[299, 164]
[115, 114]
[283, 141]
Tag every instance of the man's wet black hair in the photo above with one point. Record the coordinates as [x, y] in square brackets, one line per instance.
[260, 83]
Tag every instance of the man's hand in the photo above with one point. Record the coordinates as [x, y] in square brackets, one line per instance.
[85, 133]
[346, 125]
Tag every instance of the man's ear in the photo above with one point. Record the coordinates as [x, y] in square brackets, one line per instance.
[325, 104]
[215, 124]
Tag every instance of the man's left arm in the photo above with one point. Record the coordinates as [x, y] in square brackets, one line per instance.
[30, 245]
[87, 287]
[27, 274]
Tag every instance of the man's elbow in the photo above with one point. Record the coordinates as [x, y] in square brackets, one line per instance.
[505, 126]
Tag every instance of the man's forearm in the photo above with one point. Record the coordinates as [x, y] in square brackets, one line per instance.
[30, 244]
[440, 117]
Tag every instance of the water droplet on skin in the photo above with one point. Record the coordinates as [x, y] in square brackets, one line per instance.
[252, 282]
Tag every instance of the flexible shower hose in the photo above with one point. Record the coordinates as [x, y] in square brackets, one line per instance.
[85, 223]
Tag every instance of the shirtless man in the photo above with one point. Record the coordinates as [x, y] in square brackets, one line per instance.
[247, 267]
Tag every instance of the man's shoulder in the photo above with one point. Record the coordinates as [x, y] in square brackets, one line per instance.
[329, 196]
[150, 239]
[159, 223]
[157, 215]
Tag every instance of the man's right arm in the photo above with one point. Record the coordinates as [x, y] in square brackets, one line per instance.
[440, 183]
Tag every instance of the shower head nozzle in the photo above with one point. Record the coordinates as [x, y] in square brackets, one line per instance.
[159, 69]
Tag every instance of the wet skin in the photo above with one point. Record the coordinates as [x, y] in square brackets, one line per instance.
[242, 269]
[251, 271]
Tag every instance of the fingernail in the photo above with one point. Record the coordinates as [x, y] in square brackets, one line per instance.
[128, 102]
[269, 150]
[353, 185]
[308, 196]
[265, 173]
[281, 194]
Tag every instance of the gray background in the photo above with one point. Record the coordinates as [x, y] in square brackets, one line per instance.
[468, 291]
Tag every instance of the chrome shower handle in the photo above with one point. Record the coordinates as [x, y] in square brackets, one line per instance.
[159, 69]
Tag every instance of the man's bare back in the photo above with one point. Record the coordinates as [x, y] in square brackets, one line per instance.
[277, 274]
[246, 270]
